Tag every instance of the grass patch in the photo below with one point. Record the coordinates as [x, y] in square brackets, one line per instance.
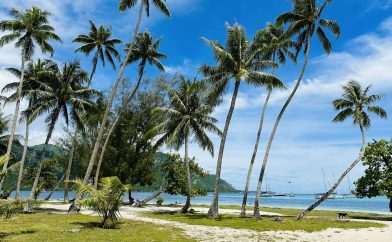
[58, 227]
[266, 223]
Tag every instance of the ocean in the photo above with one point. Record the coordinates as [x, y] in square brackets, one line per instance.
[301, 201]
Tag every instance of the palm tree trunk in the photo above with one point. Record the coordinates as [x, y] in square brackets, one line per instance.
[390, 204]
[154, 195]
[256, 210]
[69, 167]
[14, 121]
[333, 188]
[55, 188]
[188, 178]
[213, 211]
[110, 103]
[92, 74]
[21, 168]
[252, 161]
[115, 124]
[96, 179]
[41, 161]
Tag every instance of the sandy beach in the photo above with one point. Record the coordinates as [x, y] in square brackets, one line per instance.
[214, 233]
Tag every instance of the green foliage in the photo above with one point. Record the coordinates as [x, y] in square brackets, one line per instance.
[10, 207]
[105, 200]
[377, 179]
[160, 200]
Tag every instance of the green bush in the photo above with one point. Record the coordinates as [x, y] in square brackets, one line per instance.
[105, 200]
[10, 207]
[160, 200]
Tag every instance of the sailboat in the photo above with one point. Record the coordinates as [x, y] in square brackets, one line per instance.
[267, 192]
[334, 195]
[350, 194]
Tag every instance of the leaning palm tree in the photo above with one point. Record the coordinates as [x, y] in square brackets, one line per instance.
[188, 117]
[100, 41]
[240, 61]
[28, 29]
[63, 95]
[304, 20]
[32, 84]
[276, 46]
[124, 5]
[145, 50]
[355, 103]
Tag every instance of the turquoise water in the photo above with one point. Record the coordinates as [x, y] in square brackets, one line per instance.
[376, 205]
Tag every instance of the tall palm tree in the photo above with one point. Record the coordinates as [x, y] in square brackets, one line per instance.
[145, 50]
[187, 117]
[303, 20]
[124, 5]
[239, 61]
[275, 45]
[28, 29]
[355, 103]
[32, 85]
[98, 40]
[63, 95]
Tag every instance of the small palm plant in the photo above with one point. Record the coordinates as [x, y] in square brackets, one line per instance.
[105, 200]
[355, 103]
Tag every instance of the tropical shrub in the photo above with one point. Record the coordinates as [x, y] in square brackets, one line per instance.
[10, 207]
[160, 200]
[105, 200]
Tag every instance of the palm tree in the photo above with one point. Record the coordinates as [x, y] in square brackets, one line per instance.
[303, 20]
[275, 45]
[124, 5]
[356, 103]
[145, 50]
[28, 29]
[100, 41]
[239, 61]
[64, 94]
[32, 85]
[188, 117]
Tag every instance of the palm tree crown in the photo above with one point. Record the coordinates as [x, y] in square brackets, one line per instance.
[28, 28]
[239, 60]
[159, 4]
[188, 116]
[355, 102]
[63, 94]
[305, 19]
[145, 49]
[99, 39]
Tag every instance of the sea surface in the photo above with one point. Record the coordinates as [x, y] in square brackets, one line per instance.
[375, 205]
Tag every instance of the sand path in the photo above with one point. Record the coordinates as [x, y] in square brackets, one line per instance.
[223, 234]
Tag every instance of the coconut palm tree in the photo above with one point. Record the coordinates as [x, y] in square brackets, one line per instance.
[145, 50]
[99, 40]
[187, 117]
[276, 46]
[303, 21]
[357, 104]
[32, 84]
[63, 95]
[28, 29]
[124, 5]
[239, 61]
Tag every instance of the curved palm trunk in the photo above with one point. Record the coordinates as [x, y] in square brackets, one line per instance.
[55, 188]
[213, 211]
[41, 161]
[14, 121]
[110, 103]
[188, 178]
[333, 188]
[256, 210]
[21, 168]
[96, 179]
[252, 161]
[69, 167]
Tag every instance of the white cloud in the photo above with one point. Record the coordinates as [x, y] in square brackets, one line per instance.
[187, 68]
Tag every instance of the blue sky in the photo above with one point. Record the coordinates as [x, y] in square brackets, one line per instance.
[307, 141]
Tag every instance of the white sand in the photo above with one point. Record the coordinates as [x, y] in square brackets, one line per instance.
[213, 233]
